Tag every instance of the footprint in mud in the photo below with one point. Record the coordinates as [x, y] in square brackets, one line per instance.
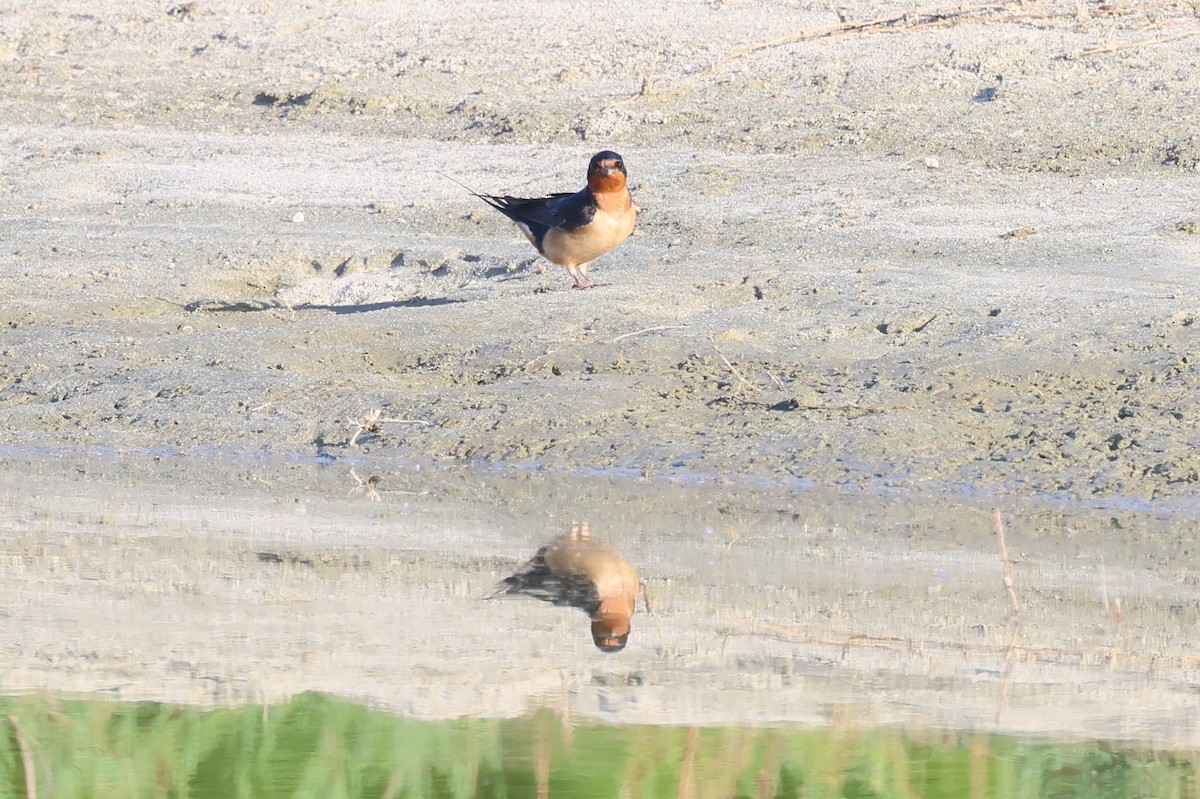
[363, 282]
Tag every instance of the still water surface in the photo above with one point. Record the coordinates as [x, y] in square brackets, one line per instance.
[274, 629]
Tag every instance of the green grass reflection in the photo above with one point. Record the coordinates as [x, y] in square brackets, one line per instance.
[322, 747]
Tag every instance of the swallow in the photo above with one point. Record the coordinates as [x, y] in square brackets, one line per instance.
[578, 571]
[572, 230]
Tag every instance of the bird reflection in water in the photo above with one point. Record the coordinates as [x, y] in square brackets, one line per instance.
[577, 570]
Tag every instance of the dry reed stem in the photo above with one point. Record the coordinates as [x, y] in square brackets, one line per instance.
[394, 783]
[1009, 663]
[769, 771]
[687, 768]
[541, 759]
[645, 591]
[27, 764]
[647, 88]
[1007, 566]
[566, 726]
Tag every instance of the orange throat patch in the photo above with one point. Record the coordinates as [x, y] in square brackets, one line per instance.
[606, 184]
[613, 201]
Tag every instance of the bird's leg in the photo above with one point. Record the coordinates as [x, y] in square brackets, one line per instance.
[582, 281]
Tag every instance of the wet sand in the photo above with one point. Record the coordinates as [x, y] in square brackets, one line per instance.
[939, 261]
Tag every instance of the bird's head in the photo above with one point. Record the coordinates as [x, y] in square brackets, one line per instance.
[606, 172]
[610, 631]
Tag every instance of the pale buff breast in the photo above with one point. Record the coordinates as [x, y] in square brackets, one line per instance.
[613, 575]
[607, 229]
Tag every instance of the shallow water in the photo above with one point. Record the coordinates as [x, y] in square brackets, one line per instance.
[866, 627]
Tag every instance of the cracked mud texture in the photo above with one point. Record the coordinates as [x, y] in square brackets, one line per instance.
[953, 256]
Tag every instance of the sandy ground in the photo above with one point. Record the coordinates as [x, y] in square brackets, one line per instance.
[946, 255]
[225, 231]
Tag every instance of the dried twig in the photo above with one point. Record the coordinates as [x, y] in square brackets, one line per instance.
[1009, 661]
[733, 369]
[647, 88]
[1011, 648]
[646, 330]
[372, 423]
[368, 424]
[366, 486]
[1007, 565]
[906, 20]
[525, 366]
[1113, 48]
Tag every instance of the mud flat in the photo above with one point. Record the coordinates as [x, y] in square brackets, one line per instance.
[937, 259]
[953, 254]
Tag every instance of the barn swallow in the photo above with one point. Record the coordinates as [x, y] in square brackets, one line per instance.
[576, 570]
[572, 230]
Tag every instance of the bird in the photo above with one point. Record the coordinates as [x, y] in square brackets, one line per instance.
[573, 229]
[578, 571]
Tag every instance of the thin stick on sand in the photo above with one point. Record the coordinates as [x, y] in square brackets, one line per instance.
[1115, 48]
[913, 18]
[654, 329]
[733, 369]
